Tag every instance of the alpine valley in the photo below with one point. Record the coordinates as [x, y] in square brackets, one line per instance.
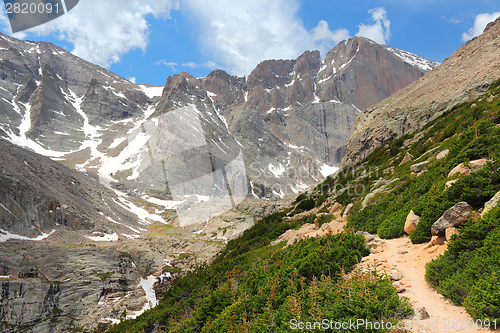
[87, 240]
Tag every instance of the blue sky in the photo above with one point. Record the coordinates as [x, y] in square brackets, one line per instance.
[148, 40]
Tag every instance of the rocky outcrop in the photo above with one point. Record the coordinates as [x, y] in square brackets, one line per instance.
[408, 157]
[467, 73]
[419, 167]
[492, 203]
[453, 217]
[467, 168]
[39, 195]
[50, 289]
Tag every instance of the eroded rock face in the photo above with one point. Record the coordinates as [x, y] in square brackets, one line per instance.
[295, 113]
[453, 217]
[492, 203]
[39, 195]
[50, 288]
[466, 74]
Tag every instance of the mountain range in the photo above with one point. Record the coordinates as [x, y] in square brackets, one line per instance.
[406, 233]
[96, 192]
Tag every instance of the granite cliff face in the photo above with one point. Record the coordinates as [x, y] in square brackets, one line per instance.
[287, 114]
[40, 195]
[296, 114]
[466, 74]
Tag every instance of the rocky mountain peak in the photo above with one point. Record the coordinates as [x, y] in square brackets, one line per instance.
[295, 114]
[492, 24]
[308, 63]
[271, 73]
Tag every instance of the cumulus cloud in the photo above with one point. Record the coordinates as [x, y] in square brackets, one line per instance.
[102, 31]
[242, 33]
[480, 23]
[167, 63]
[209, 64]
[236, 34]
[380, 30]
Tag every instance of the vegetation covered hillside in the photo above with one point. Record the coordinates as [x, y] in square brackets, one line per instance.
[256, 287]
[253, 286]
[415, 173]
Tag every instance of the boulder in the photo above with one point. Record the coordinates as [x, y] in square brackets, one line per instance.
[411, 222]
[408, 157]
[400, 287]
[491, 203]
[369, 237]
[420, 314]
[419, 167]
[396, 276]
[348, 210]
[453, 217]
[335, 208]
[438, 240]
[442, 154]
[472, 166]
[449, 232]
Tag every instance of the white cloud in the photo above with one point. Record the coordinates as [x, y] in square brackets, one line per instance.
[132, 79]
[480, 23]
[166, 63]
[190, 65]
[241, 33]
[237, 34]
[209, 64]
[102, 31]
[323, 37]
[380, 31]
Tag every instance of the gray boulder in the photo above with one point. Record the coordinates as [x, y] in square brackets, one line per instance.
[453, 217]
[419, 167]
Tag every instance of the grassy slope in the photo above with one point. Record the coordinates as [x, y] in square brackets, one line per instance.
[258, 287]
[468, 272]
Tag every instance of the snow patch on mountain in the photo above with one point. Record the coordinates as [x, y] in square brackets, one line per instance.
[413, 59]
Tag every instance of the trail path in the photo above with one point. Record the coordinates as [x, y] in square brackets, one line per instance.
[399, 255]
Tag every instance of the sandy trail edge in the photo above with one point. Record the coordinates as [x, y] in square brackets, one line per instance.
[443, 313]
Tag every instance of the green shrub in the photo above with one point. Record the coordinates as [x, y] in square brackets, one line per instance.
[483, 301]
[393, 226]
[467, 272]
